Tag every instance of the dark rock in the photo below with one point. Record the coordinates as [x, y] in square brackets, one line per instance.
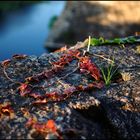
[109, 113]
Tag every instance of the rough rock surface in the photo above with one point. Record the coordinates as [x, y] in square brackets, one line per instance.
[111, 112]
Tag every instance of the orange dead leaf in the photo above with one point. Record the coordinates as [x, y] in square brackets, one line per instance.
[87, 66]
[6, 110]
[25, 112]
[31, 79]
[24, 89]
[61, 49]
[6, 62]
[51, 125]
[35, 95]
[39, 101]
[19, 56]
[47, 127]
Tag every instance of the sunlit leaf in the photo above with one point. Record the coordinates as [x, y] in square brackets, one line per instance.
[95, 42]
[86, 65]
[35, 95]
[6, 110]
[24, 89]
[40, 101]
[62, 49]
[51, 125]
[31, 79]
[138, 49]
[25, 112]
[46, 127]
[6, 62]
[126, 76]
[19, 56]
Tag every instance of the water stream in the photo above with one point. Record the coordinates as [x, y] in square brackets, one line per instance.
[25, 31]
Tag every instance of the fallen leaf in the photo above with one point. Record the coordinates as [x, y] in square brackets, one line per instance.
[35, 95]
[87, 66]
[126, 76]
[25, 112]
[6, 62]
[138, 49]
[51, 125]
[61, 49]
[6, 110]
[46, 127]
[19, 56]
[24, 89]
[128, 107]
[31, 79]
[39, 101]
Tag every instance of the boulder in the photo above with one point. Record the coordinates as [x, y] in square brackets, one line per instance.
[111, 112]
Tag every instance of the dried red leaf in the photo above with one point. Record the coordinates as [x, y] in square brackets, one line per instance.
[98, 85]
[6, 110]
[48, 126]
[31, 79]
[87, 66]
[80, 87]
[90, 86]
[40, 101]
[54, 96]
[25, 112]
[24, 89]
[35, 95]
[19, 56]
[51, 94]
[43, 128]
[67, 57]
[51, 125]
[61, 49]
[46, 74]
[6, 62]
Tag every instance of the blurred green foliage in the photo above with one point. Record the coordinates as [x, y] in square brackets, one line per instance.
[102, 41]
[52, 21]
[13, 5]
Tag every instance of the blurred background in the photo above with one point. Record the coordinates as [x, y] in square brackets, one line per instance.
[36, 27]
